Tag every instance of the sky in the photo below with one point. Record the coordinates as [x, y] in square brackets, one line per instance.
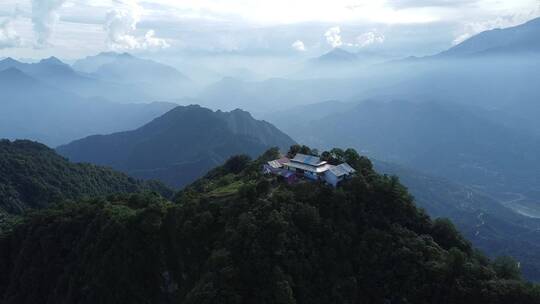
[72, 29]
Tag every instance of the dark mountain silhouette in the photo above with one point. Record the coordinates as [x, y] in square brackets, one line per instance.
[179, 146]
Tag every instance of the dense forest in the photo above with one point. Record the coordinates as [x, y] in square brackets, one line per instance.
[236, 236]
[33, 176]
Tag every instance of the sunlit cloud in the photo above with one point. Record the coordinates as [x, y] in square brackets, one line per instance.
[333, 37]
[237, 25]
[299, 46]
[121, 25]
[370, 38]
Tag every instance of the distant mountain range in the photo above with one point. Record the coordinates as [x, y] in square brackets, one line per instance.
[33, 109]
[117, 77]
[55, 73]
[127, 68]
[156, 80]
[179, 146]
[518, 39]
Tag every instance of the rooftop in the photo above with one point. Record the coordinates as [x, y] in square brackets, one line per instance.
[278, 163]
[308, 160]
[307, 167]
[343, 169]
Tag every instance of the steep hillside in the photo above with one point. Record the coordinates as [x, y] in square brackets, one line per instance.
[34, 176]
[238, 237]
[484, 220]
[179, 146]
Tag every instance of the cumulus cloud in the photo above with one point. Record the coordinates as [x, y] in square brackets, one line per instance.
[299, 46]
[9, 38]
[44, 18]
[333, 36]
[369, 38]
[121, 26]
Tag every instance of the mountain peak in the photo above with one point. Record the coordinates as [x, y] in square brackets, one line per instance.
[106, 54]
[51, 61]
[339, 51]
[184, 143]
[338, 55]
[125, 56]
[9, 60]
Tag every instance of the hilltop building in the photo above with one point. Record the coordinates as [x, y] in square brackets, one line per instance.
[309, 167]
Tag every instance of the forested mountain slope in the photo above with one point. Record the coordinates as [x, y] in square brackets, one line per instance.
[483, 219]
[34, 176]
[239, 237]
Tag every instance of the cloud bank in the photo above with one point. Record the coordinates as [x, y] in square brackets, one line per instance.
[369, 38]
[44, 18]
[9, 38]
[333, 36]
[121, 26]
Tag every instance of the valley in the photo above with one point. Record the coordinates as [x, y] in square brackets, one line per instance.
[145, 169]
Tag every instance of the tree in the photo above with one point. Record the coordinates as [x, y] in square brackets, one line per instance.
[507, 268]
[270, 154]
[447, 236]
[236, 164]
[295, 149]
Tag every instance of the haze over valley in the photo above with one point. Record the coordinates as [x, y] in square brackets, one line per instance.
[165, 113]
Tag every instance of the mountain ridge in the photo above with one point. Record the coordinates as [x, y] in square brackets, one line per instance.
[516, 39]
[182, 137]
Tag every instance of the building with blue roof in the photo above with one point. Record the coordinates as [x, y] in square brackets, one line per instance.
[312, 168]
